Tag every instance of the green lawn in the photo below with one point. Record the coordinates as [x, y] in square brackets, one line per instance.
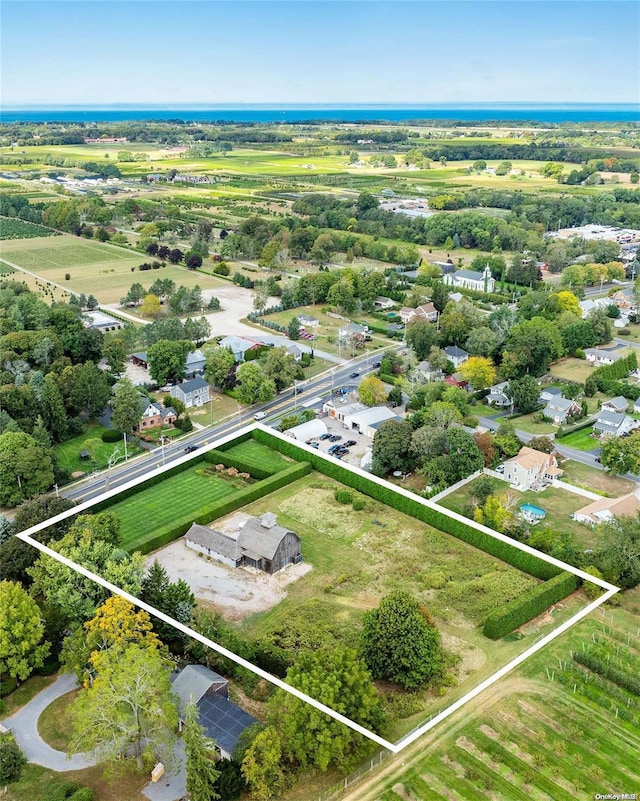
[147, 511]
[607, 484]
[23, 694]
[258, 455]
[527, 423]
[55, 724]
[68, 453]
[582, 440]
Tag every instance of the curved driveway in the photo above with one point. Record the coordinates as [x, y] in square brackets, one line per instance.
[24, 725]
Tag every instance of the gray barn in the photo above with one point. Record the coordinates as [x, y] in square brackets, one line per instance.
[260, 543]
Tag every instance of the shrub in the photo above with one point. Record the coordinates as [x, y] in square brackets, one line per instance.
[12, 760]
[343, 496]
[529, 604]
[111, 435]
[231, 460]
[358, 504]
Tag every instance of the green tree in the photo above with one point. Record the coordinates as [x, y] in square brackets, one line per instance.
[25, 468]
[91, 390]
[52, 409]
[482, 342]
[392, 448]
[280, 366]
[293, 329]
[12, 760]
[126, 406]
[150, 306]
[479, 372]
[127, 709]
[622, 454]
[115, 353]
[541, 443]
[531, 347]
[202, 772]
[269, 254]
[218, 364]
[21, 632]
[421, 337]
[167, 360]
[601, 325]
[441, 415]
[525, 393]
[618, 555]
[341, 295]
[262, 766]
[339, 679]
[400, 642]
[253, 385]
[372, 391]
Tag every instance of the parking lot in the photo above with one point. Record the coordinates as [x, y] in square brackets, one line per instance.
[336, 428]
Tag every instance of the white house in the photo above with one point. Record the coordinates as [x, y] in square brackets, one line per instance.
[363, 420]
[424, 371]
[531, 468]
[618, 404]
[613, 424]
[456, 355]
[560, 409]
[550, 394]
[308, 322]
[192, 393]
[353, 332]
[382, 302]
[306, 431]
[604, 510]
[239, 346]
[600, 356]
[338, 410]
[427, 311]
[194, 364]
[469, 279]
[295, 351]
[498, 395]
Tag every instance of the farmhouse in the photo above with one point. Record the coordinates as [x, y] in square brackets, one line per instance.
[498, 395]
[222, 720]
[153, 414]
[469, 279]
[307, 321]
[192, 393]
[306, 431]
[259, 542]
[531, 469]
[613, 424]
[560, 409]
[606, 509]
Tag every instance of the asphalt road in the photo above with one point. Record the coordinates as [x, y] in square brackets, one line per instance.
[287, 401]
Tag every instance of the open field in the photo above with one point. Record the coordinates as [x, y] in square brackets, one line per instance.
[103, 270]
[557, 503]
[531, 737]
[223, 406]
[571, 369]
[144, 513]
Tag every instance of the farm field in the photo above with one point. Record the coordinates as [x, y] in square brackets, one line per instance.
[557, 503]
[144, 513]
[11, 228]
[103, 270]
[554, 730]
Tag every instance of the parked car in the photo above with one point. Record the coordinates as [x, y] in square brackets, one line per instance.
[335, 437]
[333, 448]
[315, 445]
[191, 448]
[376, 364]
[350, 443]
[327, 435]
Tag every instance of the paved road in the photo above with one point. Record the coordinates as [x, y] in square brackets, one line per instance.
[24, 725]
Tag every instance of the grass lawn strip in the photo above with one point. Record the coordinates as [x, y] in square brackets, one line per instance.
[582, 440]
[55, 725]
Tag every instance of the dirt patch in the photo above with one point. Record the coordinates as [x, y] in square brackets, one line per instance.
[236, 593]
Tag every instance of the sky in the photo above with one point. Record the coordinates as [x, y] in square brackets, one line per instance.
[178, 52]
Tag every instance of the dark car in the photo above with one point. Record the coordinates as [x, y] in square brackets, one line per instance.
[335, 437]
[343, 451]
[354, 374]
[324, 436]
[598, 460]
[191, 448]
[350, 443]
[333, 449]
[376, 364]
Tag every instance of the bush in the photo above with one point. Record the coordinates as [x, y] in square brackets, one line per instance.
[12, 760]
[221, 269]
[505, 551]
[531, 603]
[624, 332]
[229, 460]
[343, 496]
[358, 504]
[111, 435]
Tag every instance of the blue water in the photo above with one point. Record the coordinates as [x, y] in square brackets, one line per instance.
[552, 113]
[534, 510]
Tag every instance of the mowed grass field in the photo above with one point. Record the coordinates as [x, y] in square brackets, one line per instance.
[103, 270]
[150, 509]
[258, 455]
[556, 736]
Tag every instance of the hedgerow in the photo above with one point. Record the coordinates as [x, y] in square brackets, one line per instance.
[505, 551]
[528, 605]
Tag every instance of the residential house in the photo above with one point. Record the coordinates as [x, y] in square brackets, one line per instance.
[456, 380]
[593, 303]
[308, 322]
[469, 279]
[295, 351]
[239, 346]
[427, 311]
[424, 371]
[367, 420]
[549, 394]
[599, 356]
[222, 720]
[194, 392]
[153, 415]
[194, 364]
[456, 355]
[531, 468]
[617, 404]
[624, 299]
[259, 542]
[604, 510]
[613, 424]
[306, 431]
[382, 302]
[560, 409]
[353, 332]
[498, 395]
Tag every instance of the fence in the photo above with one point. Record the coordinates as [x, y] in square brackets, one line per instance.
[338, 789]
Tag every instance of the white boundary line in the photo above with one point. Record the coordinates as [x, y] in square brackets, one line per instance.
[611, 590]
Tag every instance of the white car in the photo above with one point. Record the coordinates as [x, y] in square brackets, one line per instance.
[259, 415]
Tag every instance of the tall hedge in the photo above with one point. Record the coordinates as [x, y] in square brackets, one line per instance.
[505, 551]
[530, 604]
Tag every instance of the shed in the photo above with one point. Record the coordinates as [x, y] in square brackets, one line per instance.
[306, 431]
[363, 420]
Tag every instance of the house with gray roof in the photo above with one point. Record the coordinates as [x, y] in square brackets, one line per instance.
[259, 542]
[239, 346]
[560, 409]
[599, 356]
[498, 395]
[222, 720]
[194, 392]
[194, 364]
[456, 355]
[613, 424]
[618, 404]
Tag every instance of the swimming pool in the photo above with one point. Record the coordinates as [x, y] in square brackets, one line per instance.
[530, 509]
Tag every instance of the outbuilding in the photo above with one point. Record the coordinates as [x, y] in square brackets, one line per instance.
[312, 429]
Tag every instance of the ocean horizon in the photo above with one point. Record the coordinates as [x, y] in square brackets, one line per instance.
[297, 113]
